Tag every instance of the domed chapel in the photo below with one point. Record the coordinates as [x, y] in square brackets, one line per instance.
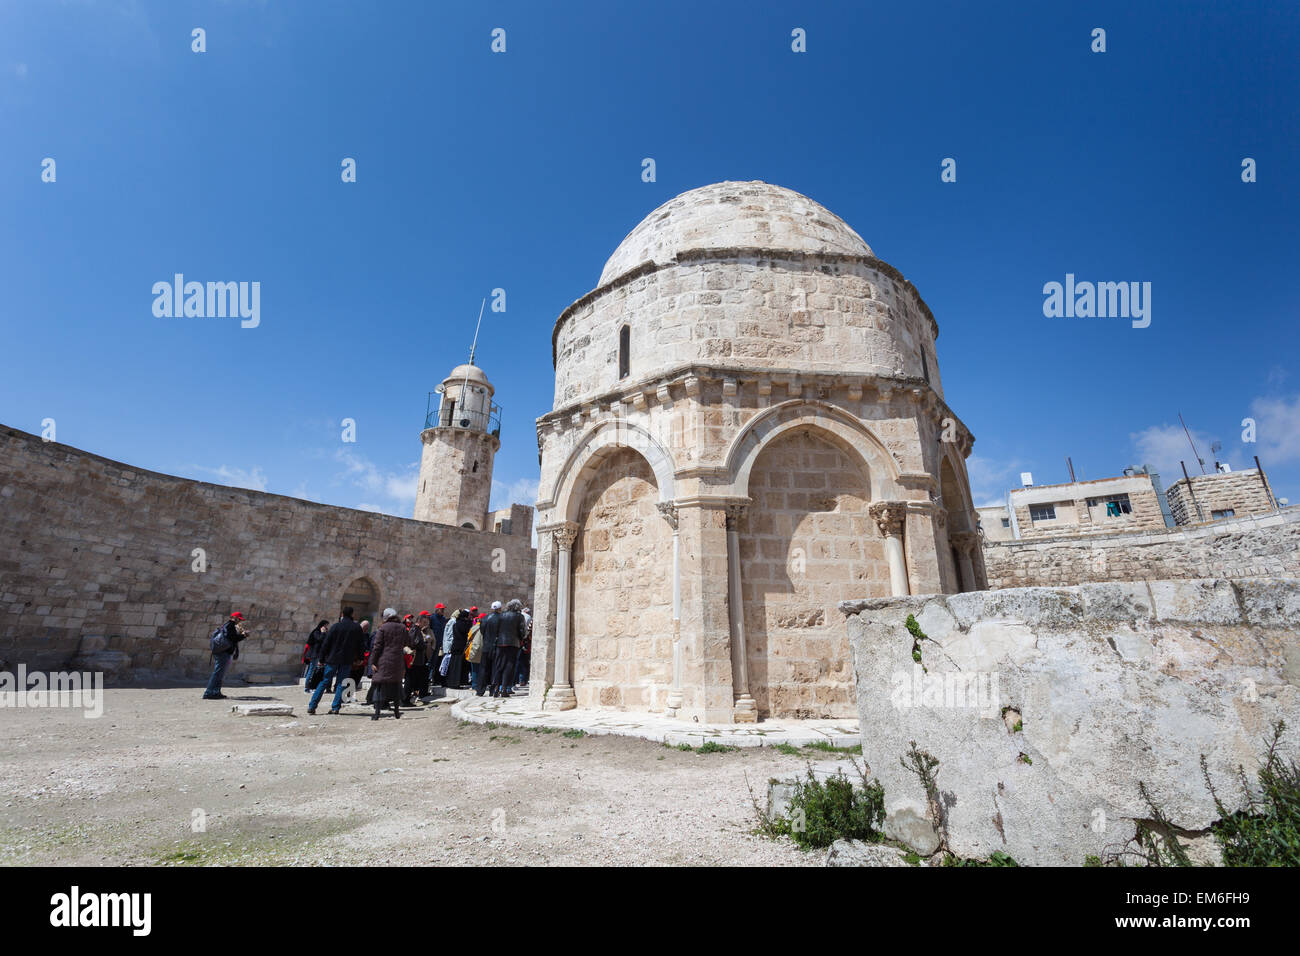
[748, 427]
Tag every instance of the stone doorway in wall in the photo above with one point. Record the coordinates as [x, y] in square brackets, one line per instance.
[363, 597]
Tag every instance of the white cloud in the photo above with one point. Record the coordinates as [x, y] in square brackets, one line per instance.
[397, 487]
[1277, 431]
[991, 480]
[1164, 446]
[521, 491]
[253, 479]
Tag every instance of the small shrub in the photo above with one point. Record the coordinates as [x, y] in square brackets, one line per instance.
[837, 808]
[575, 733]
[790, 750]
[998, 858]
[1267, 832]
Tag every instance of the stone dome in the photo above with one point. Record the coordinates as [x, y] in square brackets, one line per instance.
[472, 372]
[730, 215]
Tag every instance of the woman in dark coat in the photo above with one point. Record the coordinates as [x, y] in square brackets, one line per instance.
[460, 640]
[388, 663]
[311, 654]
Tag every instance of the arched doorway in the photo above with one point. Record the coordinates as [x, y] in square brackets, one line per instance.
[363, 597]
[622, 589]
[806, 543]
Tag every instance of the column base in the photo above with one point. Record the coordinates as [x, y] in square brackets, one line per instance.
[673, 705]
[560, 697]
[746, 710]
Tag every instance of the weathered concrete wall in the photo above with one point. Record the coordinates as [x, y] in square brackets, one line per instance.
[1237, 547]
[1114, 684]
[97, 549]
[1080, 508]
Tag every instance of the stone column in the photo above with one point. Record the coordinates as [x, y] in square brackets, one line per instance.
[561, 696]
[708, 691]
[889, 517]
[674, 701]
[746, 709]
[964, 542]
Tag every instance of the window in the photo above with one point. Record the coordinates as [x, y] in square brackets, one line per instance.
[925, 366]
[1225, 513]
[1042, 512]
[1116, 505]
[624, 352]
[1006, 522]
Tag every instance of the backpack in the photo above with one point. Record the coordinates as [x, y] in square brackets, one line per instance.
[218, 641]
[475, 654]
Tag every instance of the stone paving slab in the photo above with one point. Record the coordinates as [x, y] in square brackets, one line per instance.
[517, 712]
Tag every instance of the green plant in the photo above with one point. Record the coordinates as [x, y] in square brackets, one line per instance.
[923, 764]
[997, 858]
[1024, 758]
[1092, 860]
[713, 747]
[790, 750]
[826, 746]
[837, 808]
[918, 636]
[575, 733]
[1267, 831]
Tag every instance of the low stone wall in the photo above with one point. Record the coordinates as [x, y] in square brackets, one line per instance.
[98, 551]
[1238, 547]
[1047, 706]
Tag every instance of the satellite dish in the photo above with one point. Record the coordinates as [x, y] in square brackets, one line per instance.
[440, 389]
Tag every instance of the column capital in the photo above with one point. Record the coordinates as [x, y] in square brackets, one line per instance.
[889, 517]
[565, 535]
[963, 540]
[669, 511]
[734, 513]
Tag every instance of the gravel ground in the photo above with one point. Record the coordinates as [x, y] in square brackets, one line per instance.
[124, 789]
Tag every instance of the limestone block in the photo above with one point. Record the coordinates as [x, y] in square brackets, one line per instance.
[1207, 601]
[858, 853]
[262, 710]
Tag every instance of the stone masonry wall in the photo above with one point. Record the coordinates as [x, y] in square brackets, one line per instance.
[1242, 491]
[805, 541]
[1236, 547]
[1046, 707]
[97, 549]
[622, 591]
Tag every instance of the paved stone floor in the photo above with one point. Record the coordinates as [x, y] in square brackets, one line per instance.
[517, 712]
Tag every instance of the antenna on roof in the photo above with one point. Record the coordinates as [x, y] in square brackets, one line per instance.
[1192, 443]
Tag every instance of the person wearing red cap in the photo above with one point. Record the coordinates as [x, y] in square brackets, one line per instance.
[224, 644]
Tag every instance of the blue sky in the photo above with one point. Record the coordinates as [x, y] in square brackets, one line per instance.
[522, 171]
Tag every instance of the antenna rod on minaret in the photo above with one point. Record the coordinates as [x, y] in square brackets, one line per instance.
[476, 328]
[464, 386]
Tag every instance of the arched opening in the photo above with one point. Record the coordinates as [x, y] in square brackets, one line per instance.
[624, 352]
[957, 520]
[806, 543]
[470, 525]
[363, 597]
[622, 588]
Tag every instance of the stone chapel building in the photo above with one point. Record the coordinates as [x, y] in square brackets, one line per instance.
[748, 427]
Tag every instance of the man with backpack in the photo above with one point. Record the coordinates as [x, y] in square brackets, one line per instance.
[344, 644]
[224, 643]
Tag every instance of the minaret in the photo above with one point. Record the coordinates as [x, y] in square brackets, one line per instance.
[460, 439]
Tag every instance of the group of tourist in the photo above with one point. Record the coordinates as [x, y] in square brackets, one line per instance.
[404, 658]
